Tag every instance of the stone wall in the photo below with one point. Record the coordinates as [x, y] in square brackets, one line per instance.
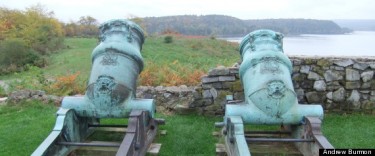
[338, 84]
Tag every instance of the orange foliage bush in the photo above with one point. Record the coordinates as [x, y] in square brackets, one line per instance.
[67, 85]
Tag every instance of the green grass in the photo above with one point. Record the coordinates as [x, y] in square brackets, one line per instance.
[350, 131]
[24, 126]
[194, 53]
[188, 135]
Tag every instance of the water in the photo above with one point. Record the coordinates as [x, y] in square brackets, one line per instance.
[358, 43]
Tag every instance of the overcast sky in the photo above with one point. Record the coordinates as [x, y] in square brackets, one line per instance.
[103, 10]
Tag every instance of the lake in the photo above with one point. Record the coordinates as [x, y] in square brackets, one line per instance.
[358, 43]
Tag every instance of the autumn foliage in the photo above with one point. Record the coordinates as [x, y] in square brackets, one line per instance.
[67, 85]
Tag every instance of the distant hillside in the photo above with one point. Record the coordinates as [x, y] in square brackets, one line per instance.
[360, 25]
[221, 25]
[298, 26]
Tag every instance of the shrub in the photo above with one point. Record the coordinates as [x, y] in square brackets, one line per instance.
[168, 39]
[15, 55]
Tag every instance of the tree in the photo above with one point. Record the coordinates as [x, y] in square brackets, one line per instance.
[36, 26]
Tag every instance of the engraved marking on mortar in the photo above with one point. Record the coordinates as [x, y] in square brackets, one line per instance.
[276, 89]
[110, 58]
[106, 92]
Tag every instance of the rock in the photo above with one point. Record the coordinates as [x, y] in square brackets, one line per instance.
[313, 97]
[314, 76]
[368, 104]
[217, 85]
[17, 96]
[296, 69]
[365, 91]
[360, 65]
[227, 78]
[167, 95]
[200, 103]
[218, 71]
[339, 95]
[159, 88]
[320, 85]
[352, 84]
[213, 93]
[372, 65]
[330, 75]
[305, 69]
[354, 99]
[307, 84]
[197, 94]
[173, 89]
[367, 76]
[333, 85]
[329, 95]
[352, 75]
[207, 94]
[233, 70]
[300, 95]
[206, 79]
[343, 62]
[297, 62]
[372, 93]
[366, 85]
[324, 62]
[337, 68]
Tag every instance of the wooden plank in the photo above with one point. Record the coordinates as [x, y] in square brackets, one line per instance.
[154, 149]
[220, 150]
[111, 129]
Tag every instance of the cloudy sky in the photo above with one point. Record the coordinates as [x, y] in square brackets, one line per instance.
[103, 10]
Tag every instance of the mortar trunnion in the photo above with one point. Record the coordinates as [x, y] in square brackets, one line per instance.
[116, 64]
[270, 98]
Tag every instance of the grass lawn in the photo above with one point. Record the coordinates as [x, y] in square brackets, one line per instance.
[24, 126]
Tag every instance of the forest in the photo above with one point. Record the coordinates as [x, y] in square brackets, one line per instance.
[221, 25]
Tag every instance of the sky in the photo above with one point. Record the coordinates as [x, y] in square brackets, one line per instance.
[103, 10]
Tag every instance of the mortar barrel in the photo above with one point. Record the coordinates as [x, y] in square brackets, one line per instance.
[116, 63]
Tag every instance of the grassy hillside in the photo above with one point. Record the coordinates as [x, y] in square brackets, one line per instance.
[183, 61]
